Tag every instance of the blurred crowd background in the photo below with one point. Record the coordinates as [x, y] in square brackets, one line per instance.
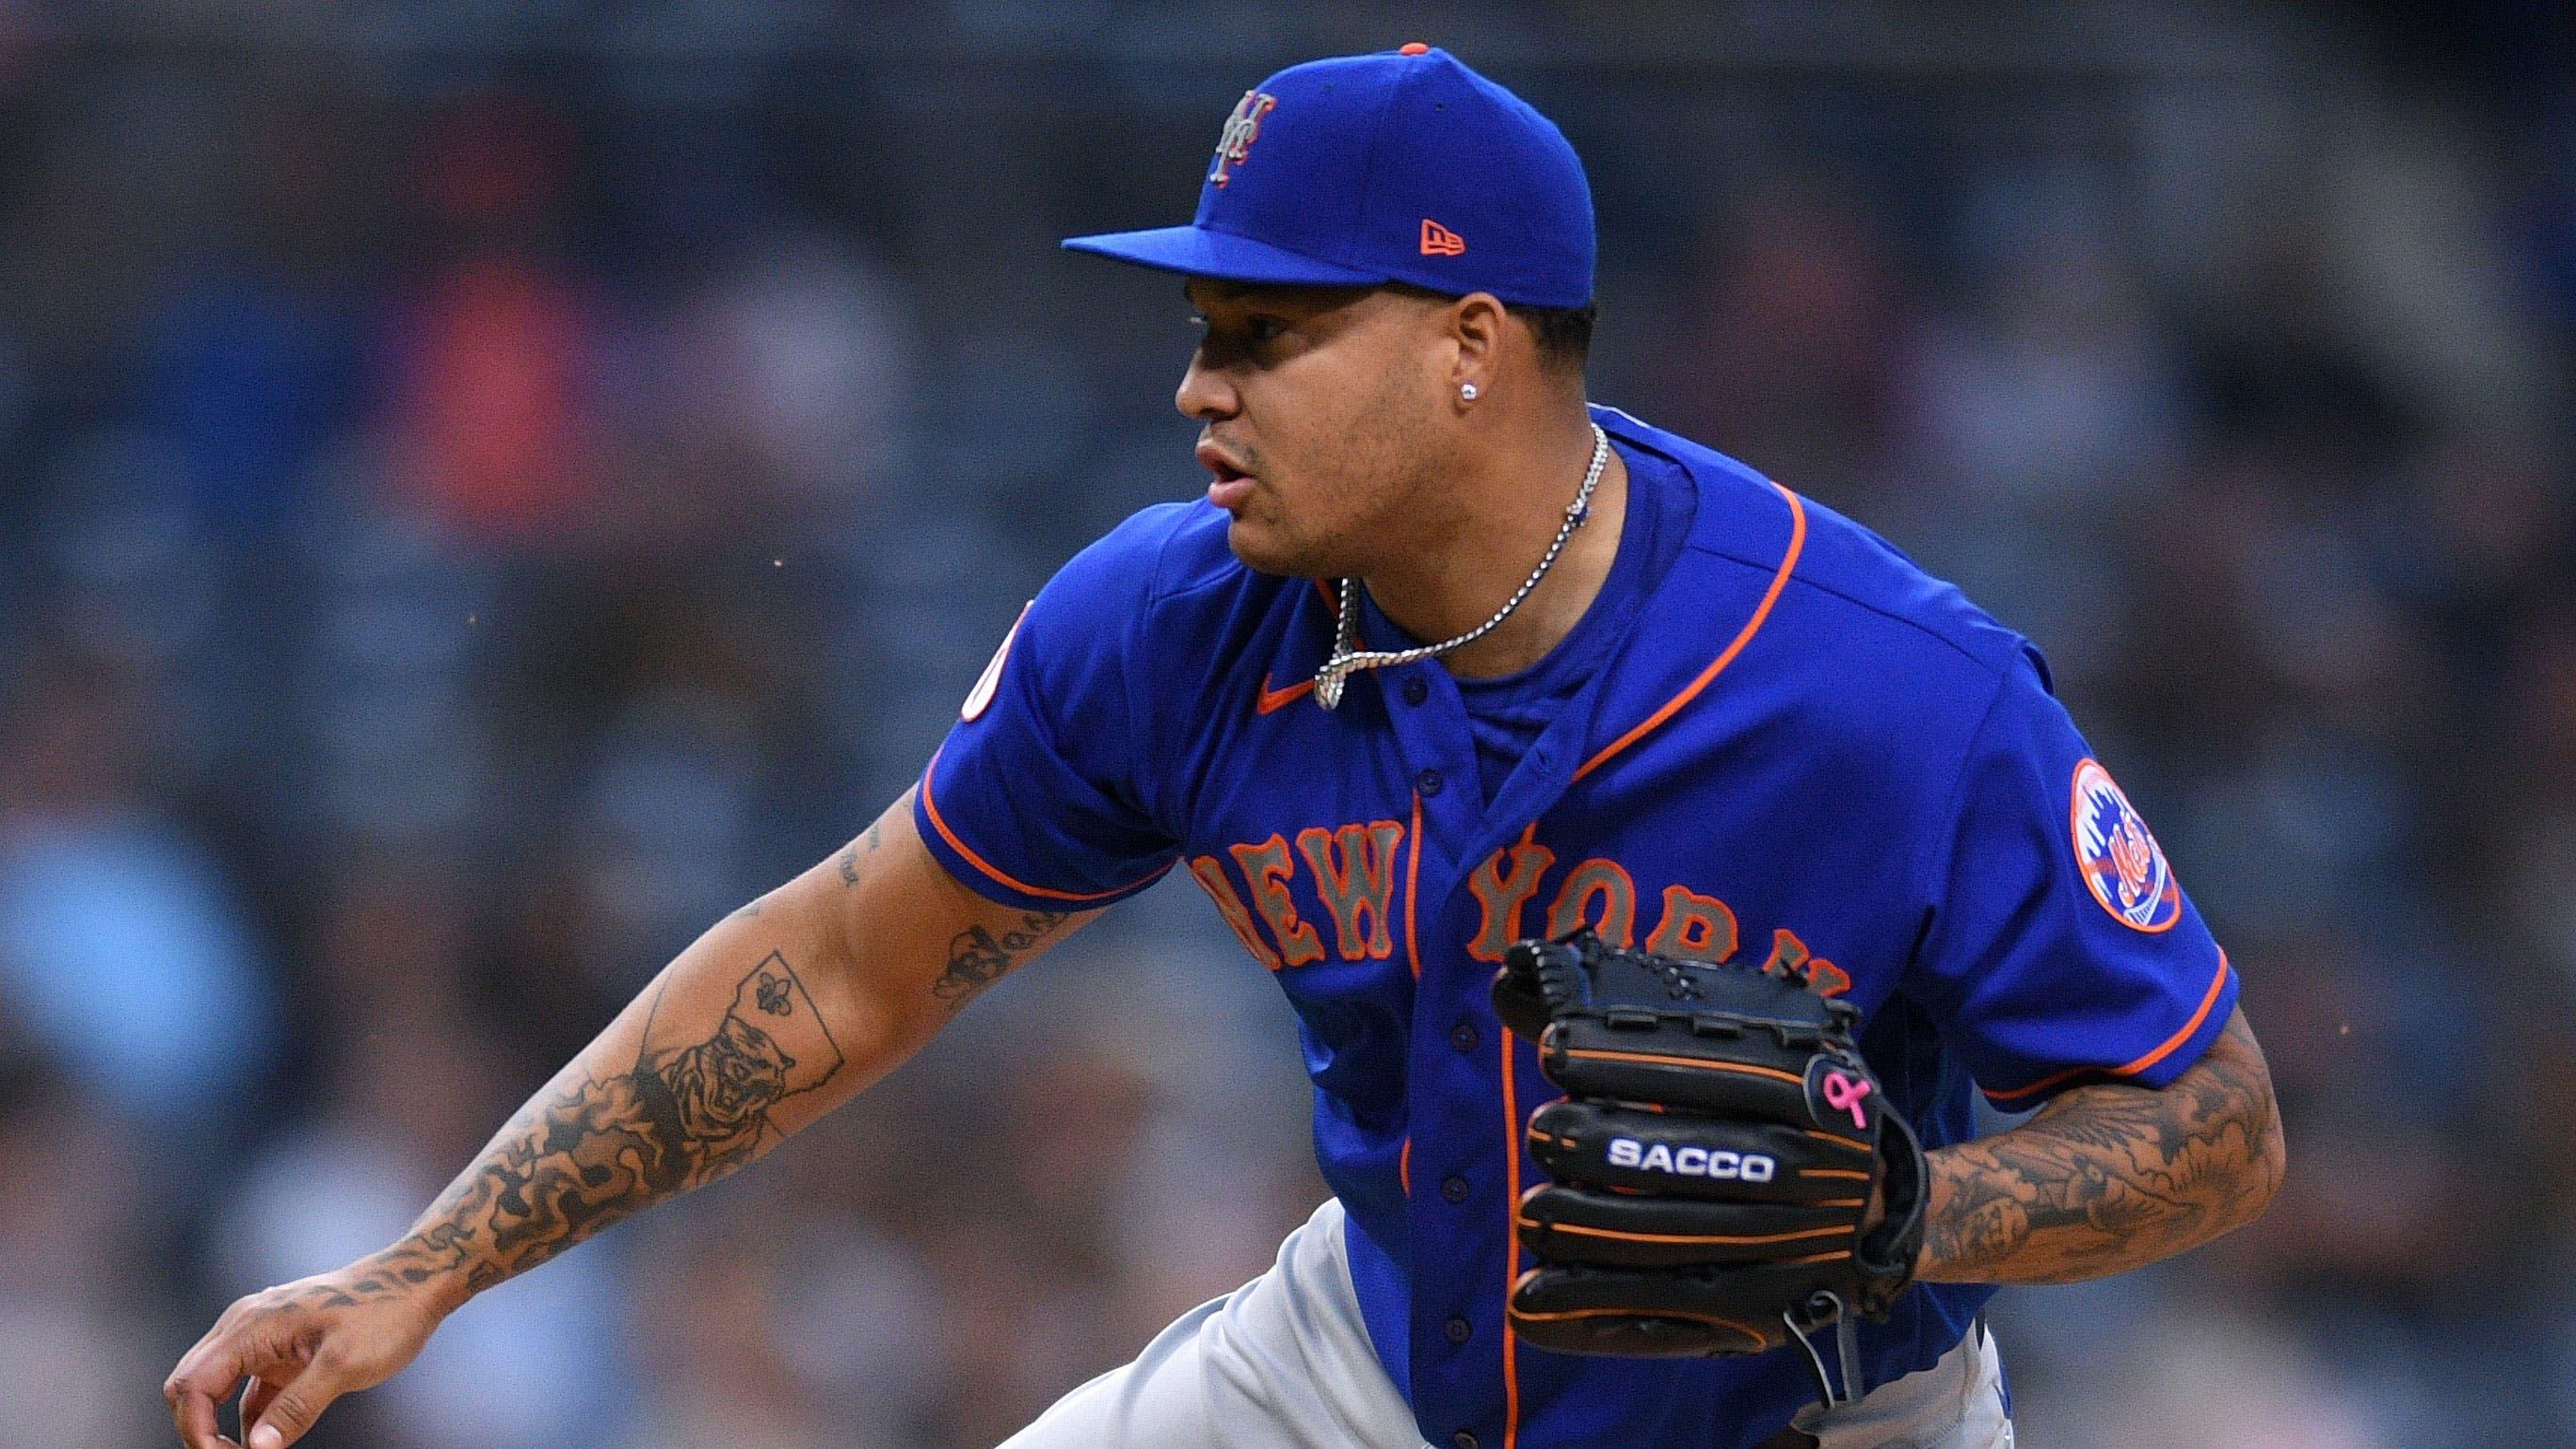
[485, 488]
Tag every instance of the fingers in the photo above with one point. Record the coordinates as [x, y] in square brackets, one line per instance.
[290, 1408]
[257, 1339]
[255, 1399]
[193, 1411]
[205, 1375]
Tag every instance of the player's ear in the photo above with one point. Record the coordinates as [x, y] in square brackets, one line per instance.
[1476, 327]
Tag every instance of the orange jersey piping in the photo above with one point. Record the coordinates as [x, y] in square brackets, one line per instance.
[1744, 636]
[930, 807]
[1412, 881]
[2167, 1048]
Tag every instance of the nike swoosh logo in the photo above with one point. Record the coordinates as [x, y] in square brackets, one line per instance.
[1275, 699]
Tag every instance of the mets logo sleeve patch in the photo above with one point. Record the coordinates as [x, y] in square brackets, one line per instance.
[1034, 800]
[2061, 946]
[2119, 856]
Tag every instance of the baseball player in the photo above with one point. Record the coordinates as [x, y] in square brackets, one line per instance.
[1453, 676]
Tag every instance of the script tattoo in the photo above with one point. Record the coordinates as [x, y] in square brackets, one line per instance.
[872, 841]
[977, 957]
[583, 1157]
[2110, 1177]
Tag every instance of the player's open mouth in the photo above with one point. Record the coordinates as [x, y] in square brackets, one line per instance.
[1231, 485]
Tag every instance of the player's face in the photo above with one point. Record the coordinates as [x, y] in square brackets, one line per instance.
[1321, 409]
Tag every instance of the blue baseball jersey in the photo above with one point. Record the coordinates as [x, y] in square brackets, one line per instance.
[1771, 736]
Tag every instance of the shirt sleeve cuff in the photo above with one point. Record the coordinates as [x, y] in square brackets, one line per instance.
[2155, 1068]
[990, 881]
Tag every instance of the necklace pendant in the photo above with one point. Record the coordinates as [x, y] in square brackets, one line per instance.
[1328, 686]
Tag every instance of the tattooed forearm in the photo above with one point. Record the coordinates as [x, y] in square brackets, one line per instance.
[977, 957]
[580, 1158]
[2111, 1177]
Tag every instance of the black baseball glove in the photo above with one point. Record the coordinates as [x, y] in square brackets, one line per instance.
[1714, 1159]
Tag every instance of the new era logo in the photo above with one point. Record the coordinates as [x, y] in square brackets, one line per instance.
[1440, 241]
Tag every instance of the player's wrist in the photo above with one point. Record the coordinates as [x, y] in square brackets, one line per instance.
[412, 1267]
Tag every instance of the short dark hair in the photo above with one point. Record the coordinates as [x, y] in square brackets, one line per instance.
[1563, 334]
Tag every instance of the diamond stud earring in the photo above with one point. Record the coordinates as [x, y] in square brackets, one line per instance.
[1467, 391]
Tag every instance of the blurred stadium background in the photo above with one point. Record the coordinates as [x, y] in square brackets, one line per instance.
[487, 487]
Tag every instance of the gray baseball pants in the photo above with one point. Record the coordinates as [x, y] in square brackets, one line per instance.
[1284, 1363]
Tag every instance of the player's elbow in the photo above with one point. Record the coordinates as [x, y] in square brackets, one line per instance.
[2234, 1120]
[2259, 1154]
[2269, 1159]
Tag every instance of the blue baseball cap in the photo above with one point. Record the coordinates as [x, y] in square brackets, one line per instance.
[1402, 166]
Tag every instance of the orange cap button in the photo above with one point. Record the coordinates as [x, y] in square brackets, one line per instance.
[1415, 47]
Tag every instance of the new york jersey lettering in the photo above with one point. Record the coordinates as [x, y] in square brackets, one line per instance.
[1502, 885]
[1354, 871]
[1266, 867]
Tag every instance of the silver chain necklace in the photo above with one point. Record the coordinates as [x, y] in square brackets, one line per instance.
[1348, 660]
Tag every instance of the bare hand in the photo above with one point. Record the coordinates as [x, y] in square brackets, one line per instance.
[301, 1346]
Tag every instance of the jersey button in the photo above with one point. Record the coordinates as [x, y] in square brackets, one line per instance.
[1454, 1188]
[1463, 1440]
[1457, 1329]
[1415, 691]
[1428, 782]
[1463, 1036]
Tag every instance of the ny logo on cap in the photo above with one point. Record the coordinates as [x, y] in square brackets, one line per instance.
[1241, 130]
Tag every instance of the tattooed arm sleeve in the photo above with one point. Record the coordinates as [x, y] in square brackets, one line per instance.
[779, 1013]
[2110, 1177]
